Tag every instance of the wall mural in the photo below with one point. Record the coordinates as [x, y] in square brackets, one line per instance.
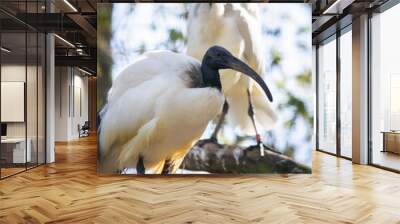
[204, 88]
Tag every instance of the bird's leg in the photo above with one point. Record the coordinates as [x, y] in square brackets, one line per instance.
[140, 166]
[225, 109]
[251, 115]
[213, 137]
[167, 167]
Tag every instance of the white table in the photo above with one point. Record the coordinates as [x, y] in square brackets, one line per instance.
[19, 155]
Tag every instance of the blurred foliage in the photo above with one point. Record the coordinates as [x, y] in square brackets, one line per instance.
[104, 59]
[176, 40]
[273, 32]
[303, 30]
[175, 35]
[304, 79]
[276, 57]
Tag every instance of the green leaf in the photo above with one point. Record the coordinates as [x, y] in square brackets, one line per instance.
[304, 78]
[276, 57]
[175, 35]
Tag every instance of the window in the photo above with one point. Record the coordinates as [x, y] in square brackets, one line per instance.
[346, 94]
[385, 89]
[327, 97]
[22, 77]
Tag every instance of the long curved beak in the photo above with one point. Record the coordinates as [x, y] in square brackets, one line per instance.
[238, 65]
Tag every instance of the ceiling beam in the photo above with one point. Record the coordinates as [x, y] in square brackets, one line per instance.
[49, 22]
[81, 61]
[320, 23]
[84, 24]
[337, 7]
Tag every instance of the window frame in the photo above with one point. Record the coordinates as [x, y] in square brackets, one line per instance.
[334, 37]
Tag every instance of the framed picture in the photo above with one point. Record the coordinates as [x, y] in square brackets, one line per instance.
[204, 88]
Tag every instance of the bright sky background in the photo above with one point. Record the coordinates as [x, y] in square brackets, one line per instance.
[135, 30]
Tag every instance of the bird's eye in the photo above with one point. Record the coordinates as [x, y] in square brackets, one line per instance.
[219, 54]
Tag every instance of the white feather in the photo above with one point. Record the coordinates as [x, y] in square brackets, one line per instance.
[237, 28]
[147, 113]
[146, 67]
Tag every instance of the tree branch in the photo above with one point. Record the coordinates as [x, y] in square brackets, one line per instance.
[215, 158]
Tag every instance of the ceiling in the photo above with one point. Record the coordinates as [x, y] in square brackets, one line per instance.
[332, 15]
[19, 54]
[75, 22]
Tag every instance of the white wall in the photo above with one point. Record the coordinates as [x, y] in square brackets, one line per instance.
[12, 73]
[81, 114]
[71, 94]
[34, 125]
[62, 81]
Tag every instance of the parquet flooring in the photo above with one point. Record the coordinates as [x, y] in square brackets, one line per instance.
[70, 191]
[11, 170]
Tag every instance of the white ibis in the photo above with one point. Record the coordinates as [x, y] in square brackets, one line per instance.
[236, 27]
[160, 105]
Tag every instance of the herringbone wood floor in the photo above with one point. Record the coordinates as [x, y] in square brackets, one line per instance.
[70, 191]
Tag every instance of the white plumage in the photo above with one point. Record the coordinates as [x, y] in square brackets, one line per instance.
[152, 113]
[236, 27]
[160, 105]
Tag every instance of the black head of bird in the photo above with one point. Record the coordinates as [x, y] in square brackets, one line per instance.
[217, 58]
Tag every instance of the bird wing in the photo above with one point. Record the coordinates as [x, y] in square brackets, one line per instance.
[126, 114]
[134, 92]
[248, 23]
[207, 26]
[266, 117]
[181, 116]
[238, 102]
[131, 110]
[146, 67]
